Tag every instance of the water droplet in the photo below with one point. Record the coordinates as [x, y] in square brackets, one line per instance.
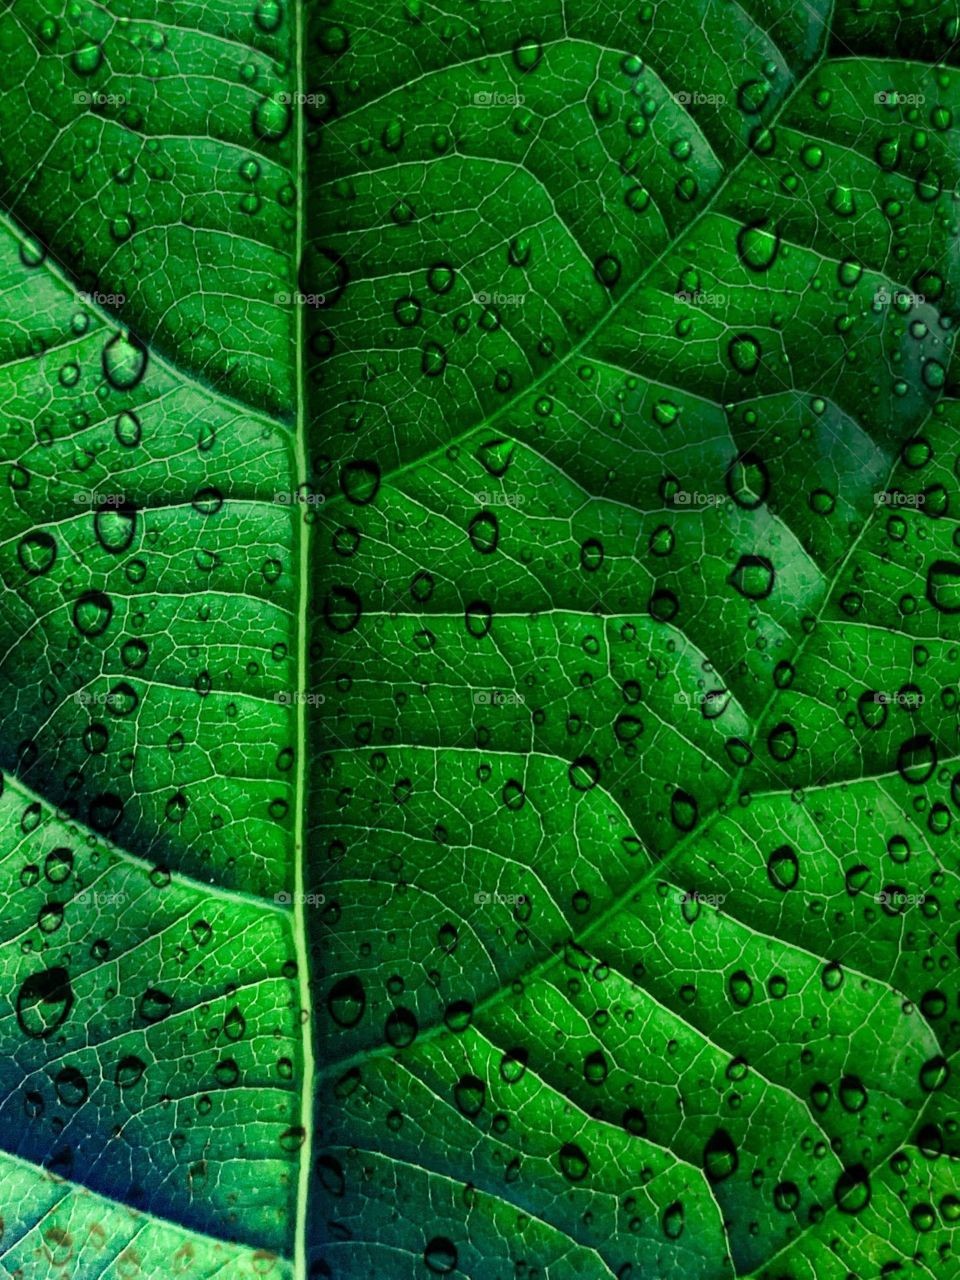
[943, 586]
[758, 246]
[71, 1086]
[469, 1093]
[401, 1028]
[740, 986]
[574, 1164]
[433, 360]
[37, 553]
[783, 869]
[744, 354]
[154, 1005]
[124, 361]
[268, 15]
[720, 1159]
[441, 277]
[513, 1065]
[92, 613]
[127, 429]
[527, 53]
[359, 482]
[683, 810]
[272, 118]
[484, 533]
[342, 609]
[753, 577]
[115, 528]
[607, 270]
[852, 1190]
[917, 759]
[852, 1094]
[748, 481]
[347, 1001]
[440, 1256]
[87, 59]
[44, 1002]
[672, 1221]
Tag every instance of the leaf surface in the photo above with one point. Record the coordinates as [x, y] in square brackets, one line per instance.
[641, 735]
[478, 665]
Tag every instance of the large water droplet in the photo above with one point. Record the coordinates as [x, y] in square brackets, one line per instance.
[124, 361]
[272, 117]
[44, 1002]
[720, 1159]
[347, 1001]
[92, 613]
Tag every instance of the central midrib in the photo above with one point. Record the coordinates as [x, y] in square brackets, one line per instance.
[302, 473]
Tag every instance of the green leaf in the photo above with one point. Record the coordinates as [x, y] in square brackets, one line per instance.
[154, 1056]
[478, 665]
[641, 724]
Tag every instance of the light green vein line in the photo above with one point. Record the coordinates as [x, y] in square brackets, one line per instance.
[303, 580]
